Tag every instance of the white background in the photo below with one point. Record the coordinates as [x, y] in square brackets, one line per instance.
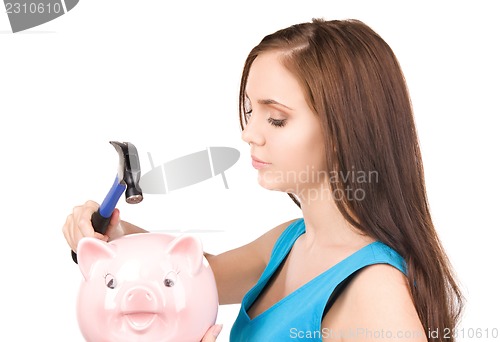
[165, 76]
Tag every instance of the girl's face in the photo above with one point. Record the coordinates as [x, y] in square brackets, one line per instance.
[284, 134]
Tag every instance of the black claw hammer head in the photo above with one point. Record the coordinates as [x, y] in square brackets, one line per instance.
[129, 170]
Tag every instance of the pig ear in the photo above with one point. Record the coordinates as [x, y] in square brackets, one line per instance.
[90, 251]
[186, 252]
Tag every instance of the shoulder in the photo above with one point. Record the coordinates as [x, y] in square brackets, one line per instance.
[266, 242]
[381, 286]
[377, 301]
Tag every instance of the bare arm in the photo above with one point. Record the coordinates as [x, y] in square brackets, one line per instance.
[237, 270]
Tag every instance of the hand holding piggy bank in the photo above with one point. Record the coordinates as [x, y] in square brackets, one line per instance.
[145, 287]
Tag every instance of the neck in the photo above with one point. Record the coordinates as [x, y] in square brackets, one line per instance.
[325, 225]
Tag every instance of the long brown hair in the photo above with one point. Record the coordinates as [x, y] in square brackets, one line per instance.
[353, 82]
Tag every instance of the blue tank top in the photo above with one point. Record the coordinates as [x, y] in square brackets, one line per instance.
[299, 315]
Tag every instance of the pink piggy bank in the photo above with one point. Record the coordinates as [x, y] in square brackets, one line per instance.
[145, 287]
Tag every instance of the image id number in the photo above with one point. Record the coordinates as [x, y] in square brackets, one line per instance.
[465, 333]
[32, 8]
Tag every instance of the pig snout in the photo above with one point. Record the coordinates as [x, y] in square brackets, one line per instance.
[140, 298]
[140, 308]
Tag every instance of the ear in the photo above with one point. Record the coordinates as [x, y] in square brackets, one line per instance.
[186, 252]
[90, 251]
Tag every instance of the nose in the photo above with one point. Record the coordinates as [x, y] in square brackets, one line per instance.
[253, 134]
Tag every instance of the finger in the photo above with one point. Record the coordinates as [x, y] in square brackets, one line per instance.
[92, 204]
[77, 236]
[67, 230]
[114, 230]
[85, 227]
[100, 236]
[212, 333]
[74, 236]
[71, 232]
[115, 219]
[84, 221]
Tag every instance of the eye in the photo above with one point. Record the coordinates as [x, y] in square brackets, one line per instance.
[170, 279]
[247, 108]
[248, 115]
[276, 122]
[110, 281]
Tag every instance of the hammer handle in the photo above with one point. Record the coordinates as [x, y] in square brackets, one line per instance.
[99, 222]
[100, 219]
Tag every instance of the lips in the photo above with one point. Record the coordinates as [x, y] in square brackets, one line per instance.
[140, 320]
[259, 164]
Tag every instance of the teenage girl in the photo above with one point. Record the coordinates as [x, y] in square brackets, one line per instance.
[325, 111]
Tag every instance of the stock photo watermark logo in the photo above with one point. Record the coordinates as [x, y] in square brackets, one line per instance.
[353, 182]
[188, 170]
[24, 15]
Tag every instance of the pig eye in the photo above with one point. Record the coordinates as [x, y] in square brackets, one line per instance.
[110, 281]
[170, 279]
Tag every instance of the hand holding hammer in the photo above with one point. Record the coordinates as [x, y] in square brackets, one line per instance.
[127, 180]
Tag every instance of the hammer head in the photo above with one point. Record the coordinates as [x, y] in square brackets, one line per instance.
[129, 170]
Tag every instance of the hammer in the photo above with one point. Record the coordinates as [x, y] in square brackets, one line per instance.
[127, 180]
